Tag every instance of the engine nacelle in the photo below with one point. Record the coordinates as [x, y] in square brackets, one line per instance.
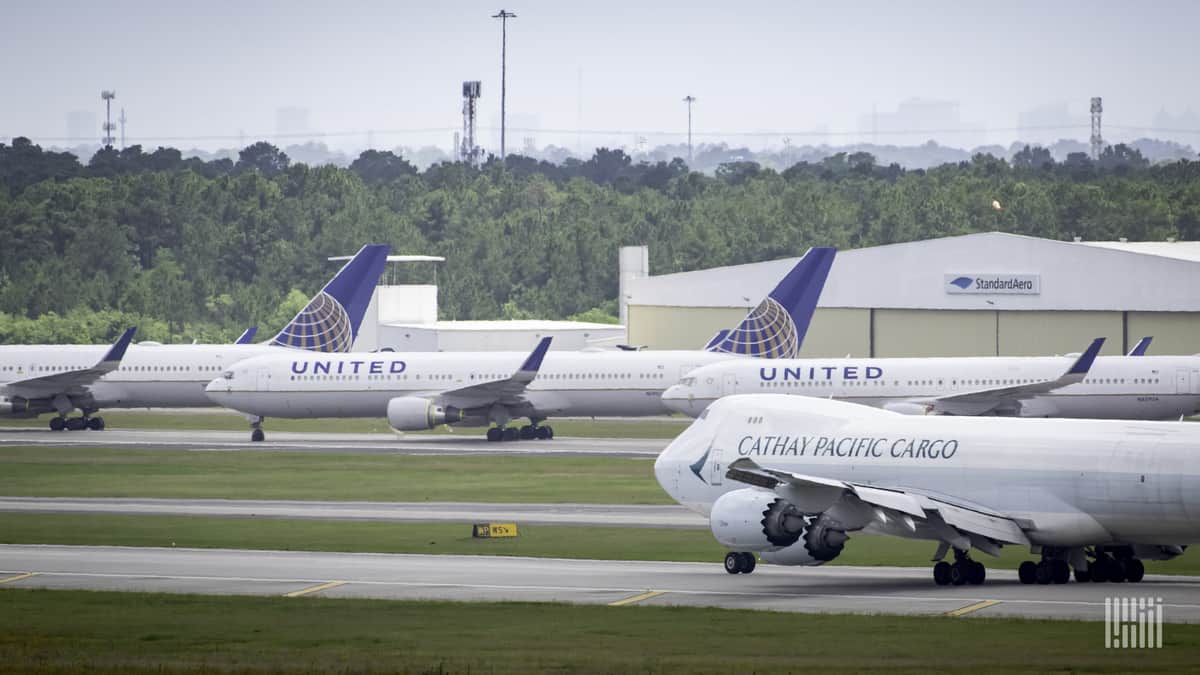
[413, 413]
[908, 408]
[1163, 552]
[756, 520]
[20, 407]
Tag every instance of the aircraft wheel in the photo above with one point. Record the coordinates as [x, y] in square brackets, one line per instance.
[511, 434]
[494, 434]
[1044, 574]
[257, 436]
[1134, 570]
[1027, 572]
[733, 562]
[1116, 571]
[95, 423]
[528, 432]
[1060, 571]
[57, 424]
[941, 573]
[976, 573]
[1098, 571]
[959, 573]
[749, 562]
[544, 433]
[1084, 575]
[76, 424]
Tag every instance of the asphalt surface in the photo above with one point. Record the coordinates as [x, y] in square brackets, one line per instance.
[610, 515]
[467, 442]
[487, 578]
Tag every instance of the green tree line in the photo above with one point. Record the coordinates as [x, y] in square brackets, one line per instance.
[194, 250]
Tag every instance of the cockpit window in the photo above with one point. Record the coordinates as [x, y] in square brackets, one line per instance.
[227, 374]
[687, 381]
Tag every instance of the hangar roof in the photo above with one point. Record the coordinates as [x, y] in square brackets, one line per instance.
[990, 270]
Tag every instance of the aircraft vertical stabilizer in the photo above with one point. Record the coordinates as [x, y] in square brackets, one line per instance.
[330, 321]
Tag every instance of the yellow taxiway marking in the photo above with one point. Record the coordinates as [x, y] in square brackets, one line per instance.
[973, 607]
[314, 589]
[637, 598]
[17, 577]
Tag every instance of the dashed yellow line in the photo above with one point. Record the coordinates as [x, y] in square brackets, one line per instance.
[314, 589]
[973, 607]
[18, 577]
[636, 598]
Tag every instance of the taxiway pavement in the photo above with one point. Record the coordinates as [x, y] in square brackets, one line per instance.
[488, 578]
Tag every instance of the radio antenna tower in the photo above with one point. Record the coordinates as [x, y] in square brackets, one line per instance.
[122, 120]
[504, 15]
[468, 151]
[1097, 140]
[109, 127]
[689, 99]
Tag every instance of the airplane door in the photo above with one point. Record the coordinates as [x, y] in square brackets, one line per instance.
[1182, 382]
[717, 466]
[263, 380]
[1195, 382]
[729, 384]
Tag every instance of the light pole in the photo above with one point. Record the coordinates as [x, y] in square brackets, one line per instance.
[689, 99]
[504, 16]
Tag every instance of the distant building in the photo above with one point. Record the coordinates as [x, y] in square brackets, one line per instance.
[1046, 124]
[982, 294]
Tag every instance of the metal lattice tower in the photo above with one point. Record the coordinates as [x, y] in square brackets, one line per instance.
[468, 151]
[689, 99]
[1097, 139]
[108, 127]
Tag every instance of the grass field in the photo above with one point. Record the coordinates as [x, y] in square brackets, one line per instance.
[220, 420]
[96, 472]
[555, 541]
[58, 631]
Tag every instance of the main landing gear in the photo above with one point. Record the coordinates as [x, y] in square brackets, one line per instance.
[256, 430]
[739, 562]
[525, 433]
[62, 423]
[962, 571]
[1115, 564]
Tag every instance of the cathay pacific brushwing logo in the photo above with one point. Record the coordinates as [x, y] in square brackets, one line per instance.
[697, 467]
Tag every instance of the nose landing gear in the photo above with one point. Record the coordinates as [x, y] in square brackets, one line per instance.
[740, 562]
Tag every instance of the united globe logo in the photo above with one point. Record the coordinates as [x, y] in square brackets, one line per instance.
[767, 332]
[323, 326]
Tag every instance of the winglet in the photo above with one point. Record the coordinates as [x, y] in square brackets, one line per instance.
[534, 362]
[1140, 348]
[113, 357]
[330, 321]
[247, 336]
[1084, 363]
[777, 326]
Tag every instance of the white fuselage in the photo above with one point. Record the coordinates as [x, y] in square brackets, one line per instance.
[150, 375]
[1078, 482]
[1116, 387]
[601, 384]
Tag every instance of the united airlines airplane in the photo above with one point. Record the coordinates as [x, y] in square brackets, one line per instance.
[792, 479]
[59, 379]
[423, 390]
[1115, 387]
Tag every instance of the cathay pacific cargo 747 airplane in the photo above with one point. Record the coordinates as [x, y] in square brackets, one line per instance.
[1115, 387]
[793, 478]
[36, 379]
[423, 390]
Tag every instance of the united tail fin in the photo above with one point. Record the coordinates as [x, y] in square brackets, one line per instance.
[247, 336]
[776, 327]
[330, 321]
[1140, 348]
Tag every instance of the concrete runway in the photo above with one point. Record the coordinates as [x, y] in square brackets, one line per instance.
[487, 578]
[610, 515]
[468, 442]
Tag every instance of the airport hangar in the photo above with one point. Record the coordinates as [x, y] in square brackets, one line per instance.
[987, 294]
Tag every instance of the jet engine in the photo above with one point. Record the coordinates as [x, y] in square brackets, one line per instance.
[413, 413]
[756, 520]
[20, 407]
[1163, 552]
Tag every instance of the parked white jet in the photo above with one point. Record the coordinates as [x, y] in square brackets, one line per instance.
[792, 478]
[36, 379]
[1115, 387]
[423, 390]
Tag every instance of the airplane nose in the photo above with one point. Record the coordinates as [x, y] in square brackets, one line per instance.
[666, 471]
[681, 399]
[217, 389]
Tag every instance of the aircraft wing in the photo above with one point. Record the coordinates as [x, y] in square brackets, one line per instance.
[957, 521]
[71, 381]
[510, 391]
[983, 401]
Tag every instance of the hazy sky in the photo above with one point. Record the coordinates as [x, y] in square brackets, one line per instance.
[217, 68]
